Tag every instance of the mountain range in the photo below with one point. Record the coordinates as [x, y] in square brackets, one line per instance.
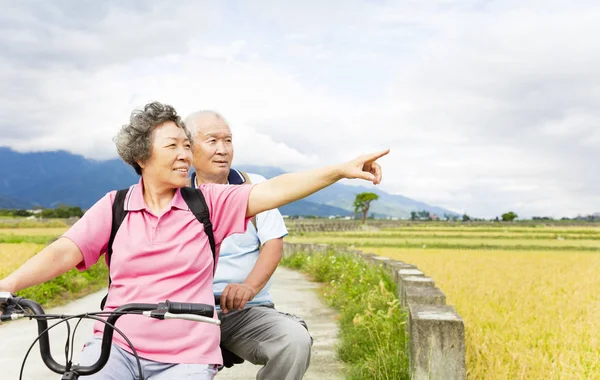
[48, 179]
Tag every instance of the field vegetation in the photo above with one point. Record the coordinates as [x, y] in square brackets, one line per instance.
[372, 337]
[528, 295]
[17, 245]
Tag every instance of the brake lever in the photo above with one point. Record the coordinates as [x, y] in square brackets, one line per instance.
[4, 297]
[10, 312]
[9, 308]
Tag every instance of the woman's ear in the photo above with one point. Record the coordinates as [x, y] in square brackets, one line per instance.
[141, 164]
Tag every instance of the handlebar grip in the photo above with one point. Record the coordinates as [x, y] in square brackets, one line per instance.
[190, 308]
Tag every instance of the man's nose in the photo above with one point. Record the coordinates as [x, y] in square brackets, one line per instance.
[221, 148]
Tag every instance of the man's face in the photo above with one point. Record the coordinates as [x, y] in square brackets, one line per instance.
[213, 150]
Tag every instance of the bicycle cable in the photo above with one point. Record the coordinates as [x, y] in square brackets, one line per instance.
[82, 316]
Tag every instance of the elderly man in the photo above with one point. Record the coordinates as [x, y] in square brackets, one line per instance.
[251, 326]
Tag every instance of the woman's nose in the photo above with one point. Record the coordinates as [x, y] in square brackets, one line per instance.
[184, 154]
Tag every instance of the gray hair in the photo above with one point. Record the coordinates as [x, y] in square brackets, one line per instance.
[134, 141]
[194, 120]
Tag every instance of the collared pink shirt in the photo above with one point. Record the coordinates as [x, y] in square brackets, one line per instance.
[160, 257]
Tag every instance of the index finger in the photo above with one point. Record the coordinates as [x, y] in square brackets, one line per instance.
[224, 299]
[374, 156]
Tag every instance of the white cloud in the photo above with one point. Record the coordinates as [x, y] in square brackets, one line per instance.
[487, 106]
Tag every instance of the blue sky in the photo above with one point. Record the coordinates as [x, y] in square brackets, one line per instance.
[488, 106]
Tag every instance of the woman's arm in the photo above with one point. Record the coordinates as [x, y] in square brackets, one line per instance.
[288, 188]
[52, 261]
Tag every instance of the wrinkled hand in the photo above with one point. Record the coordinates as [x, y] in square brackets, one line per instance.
[365, 167]
[235, 296]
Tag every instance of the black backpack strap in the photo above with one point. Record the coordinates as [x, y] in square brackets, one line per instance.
[197, 204]
[118, 215]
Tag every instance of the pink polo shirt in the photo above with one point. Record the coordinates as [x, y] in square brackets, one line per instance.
[160, 257]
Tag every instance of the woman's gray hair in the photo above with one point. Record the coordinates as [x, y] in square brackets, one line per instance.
[134, 141]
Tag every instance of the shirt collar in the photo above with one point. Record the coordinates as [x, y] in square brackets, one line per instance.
[135, 201]
[194, 181]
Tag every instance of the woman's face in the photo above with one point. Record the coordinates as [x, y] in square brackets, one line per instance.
[171, 157]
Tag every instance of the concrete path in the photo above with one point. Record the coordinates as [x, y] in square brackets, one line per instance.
[292, 293]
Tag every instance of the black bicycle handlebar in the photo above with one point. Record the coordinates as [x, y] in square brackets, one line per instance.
[165, 307]
[188, 308]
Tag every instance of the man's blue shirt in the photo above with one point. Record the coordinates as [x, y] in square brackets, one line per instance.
[239, 252]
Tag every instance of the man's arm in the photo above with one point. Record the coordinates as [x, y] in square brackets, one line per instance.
[235, 296]
[290, 187]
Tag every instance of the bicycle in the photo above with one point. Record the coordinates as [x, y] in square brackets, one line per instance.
[16, 308]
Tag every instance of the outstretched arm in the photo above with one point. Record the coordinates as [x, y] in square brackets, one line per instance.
[288, 188]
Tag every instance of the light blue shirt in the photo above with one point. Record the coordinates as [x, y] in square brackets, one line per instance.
[239, 252]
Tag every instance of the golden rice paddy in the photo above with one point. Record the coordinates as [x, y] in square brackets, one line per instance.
[531, 308]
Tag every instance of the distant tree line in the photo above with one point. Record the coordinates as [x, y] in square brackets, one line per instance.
[61, 211]
[509, 216]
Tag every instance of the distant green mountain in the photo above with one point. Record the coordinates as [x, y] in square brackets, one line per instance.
[11, 203]
[50, 178]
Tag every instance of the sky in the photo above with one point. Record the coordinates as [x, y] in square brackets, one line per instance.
[487, 106]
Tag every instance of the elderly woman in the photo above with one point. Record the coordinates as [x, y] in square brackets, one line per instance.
[161, 251]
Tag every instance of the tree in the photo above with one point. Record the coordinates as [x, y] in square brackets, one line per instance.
[413, 215]
[424, 215]
[21, 213]
[466, 218]
[509, 216]
[363, 202]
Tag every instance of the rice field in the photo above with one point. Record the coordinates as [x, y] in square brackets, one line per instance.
[13, 255]
[530, 301]
[51, 231]
[17, 245]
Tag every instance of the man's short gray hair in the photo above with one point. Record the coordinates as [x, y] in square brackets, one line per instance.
[134, 141]
[194, 120]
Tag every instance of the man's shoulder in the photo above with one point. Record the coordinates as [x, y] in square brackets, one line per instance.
[255, 178]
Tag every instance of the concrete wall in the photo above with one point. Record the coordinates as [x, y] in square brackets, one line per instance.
[436, 330]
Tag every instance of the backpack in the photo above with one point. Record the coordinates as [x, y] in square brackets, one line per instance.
[192, 197]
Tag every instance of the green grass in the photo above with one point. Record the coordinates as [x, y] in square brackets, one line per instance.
[372, 340]
[68, 286]
[498, 235]
[432, 243]
[591, 229]
[19, 223]
[16, 239]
